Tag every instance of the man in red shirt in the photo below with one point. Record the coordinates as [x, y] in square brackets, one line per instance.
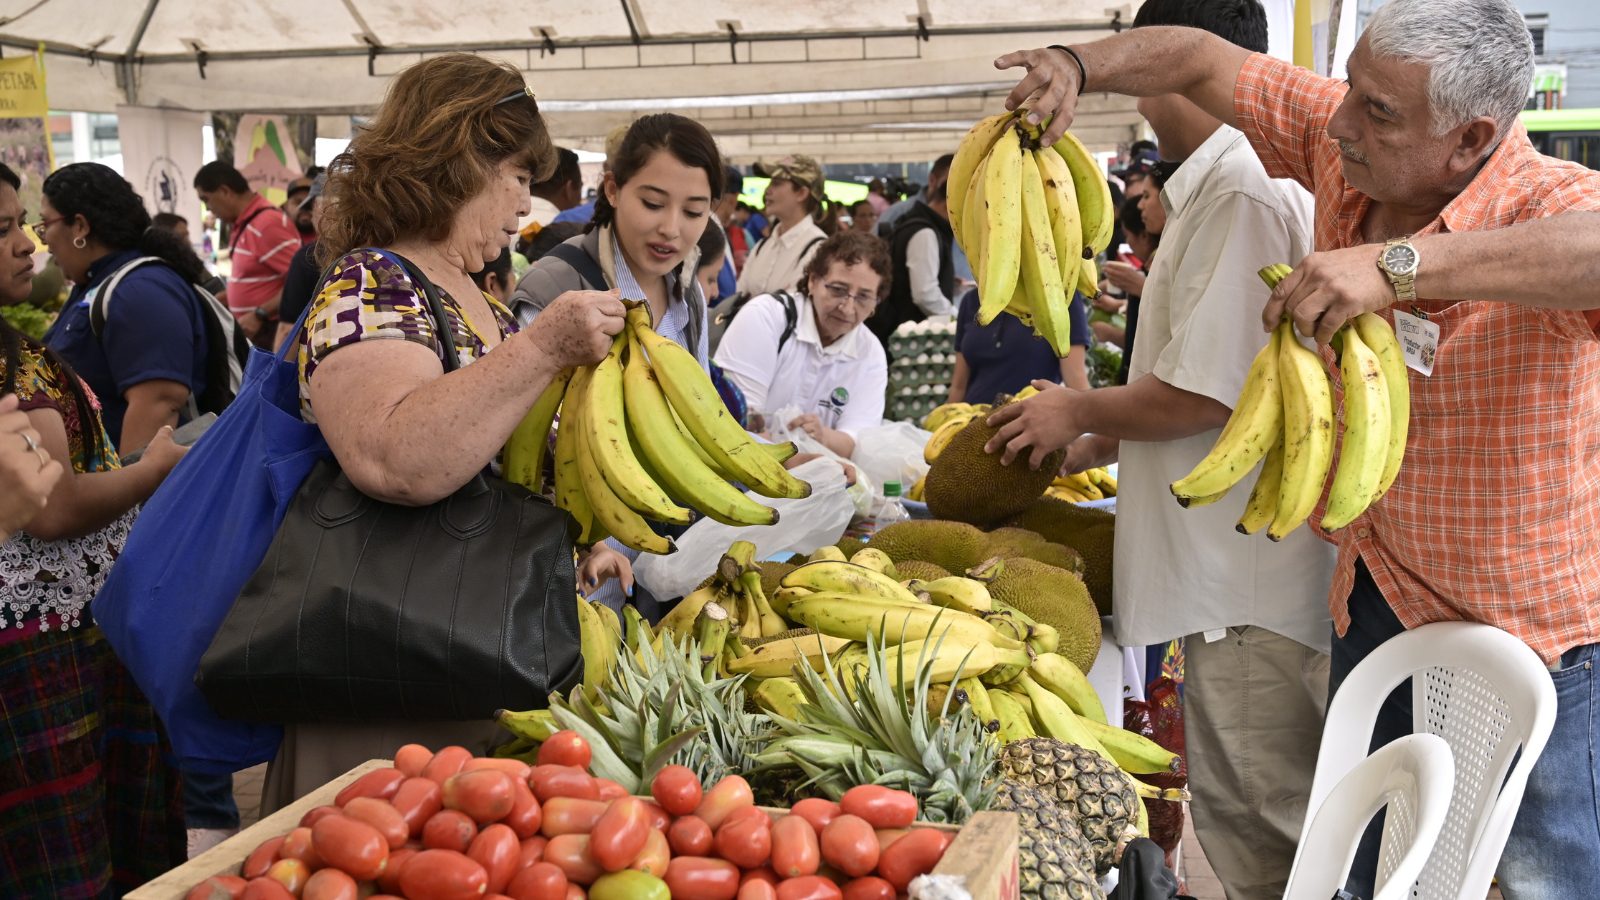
[1432, 204]
[261, 243]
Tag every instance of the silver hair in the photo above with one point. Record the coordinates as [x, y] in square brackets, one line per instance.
[1478, 52]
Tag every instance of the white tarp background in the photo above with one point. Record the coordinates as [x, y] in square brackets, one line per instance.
[844, 79]
[161, 151]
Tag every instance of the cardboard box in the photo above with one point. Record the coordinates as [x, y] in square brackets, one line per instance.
[983, 855]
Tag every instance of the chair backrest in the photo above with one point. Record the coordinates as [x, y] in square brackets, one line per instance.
[1412, 781]
[1490, 698]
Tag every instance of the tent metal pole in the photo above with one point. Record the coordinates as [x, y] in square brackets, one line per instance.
[127, 64]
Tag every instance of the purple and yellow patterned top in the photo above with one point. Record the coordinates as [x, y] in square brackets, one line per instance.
[368, 296]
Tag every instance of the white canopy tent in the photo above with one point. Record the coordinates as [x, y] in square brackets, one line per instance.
[846, 80]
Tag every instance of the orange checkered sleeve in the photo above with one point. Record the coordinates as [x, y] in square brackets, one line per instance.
[1284, 110]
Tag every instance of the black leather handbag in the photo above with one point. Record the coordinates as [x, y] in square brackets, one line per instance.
[368, 611]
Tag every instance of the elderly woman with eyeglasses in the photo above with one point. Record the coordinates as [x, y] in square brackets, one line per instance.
[814, 351]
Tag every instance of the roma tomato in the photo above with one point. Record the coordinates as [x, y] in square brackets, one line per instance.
[677, 789]
[915, 854]
[531, 851]
[380, 783]
[445, 763]
[619, 835]
[660, 820]
[757, 889]
[449, 829]
[629, 885]
[609, 790]
[389, 881]
[217, 887]
[330, 884]
[550, 781]
[417, 801]
[817, 811]
[764, 873]
[261, 858]
[655, 855]
[486, 795]
[496, 848]
[808, 887]
[443, 875]
[526, 814]
[297, 845]
[575, 892]
[540, 881]
[883, 807]
[690, 836]
[412, 759]
[311, 816]
[571, 853]
[746, 840]
[569, 815]
[516, 768]
[265, 889]
[701, 878]
[849, 845]
[869, 887]
[725, 797]
[796, 850]
[565, 748]
[355, 847]
[382, 815]
[291, 873]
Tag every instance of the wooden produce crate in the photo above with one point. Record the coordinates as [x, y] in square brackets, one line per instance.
[983, 855]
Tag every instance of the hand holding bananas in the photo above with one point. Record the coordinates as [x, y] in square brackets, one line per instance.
[1284, 419]
[1328, 291]
[1031, 218]
[644, 435]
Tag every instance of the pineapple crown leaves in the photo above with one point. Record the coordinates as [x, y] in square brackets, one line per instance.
[886, 737]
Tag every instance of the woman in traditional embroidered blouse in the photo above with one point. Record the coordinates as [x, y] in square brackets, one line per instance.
[88, 805]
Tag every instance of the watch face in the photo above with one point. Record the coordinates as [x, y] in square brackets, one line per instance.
[1400, 259]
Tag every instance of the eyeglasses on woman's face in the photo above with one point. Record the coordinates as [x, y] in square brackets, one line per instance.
[40, 226]
[839, 293]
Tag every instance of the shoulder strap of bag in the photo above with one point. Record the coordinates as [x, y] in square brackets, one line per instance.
[812, 245]
[791, 316]
[102, 297]
[587, 267]
[441, 320]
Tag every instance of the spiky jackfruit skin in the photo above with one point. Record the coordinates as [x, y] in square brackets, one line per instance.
[1056, 597]
[1090, 532]
[920, 570]
[850, 546]
[965, 484]
[772, 573]
[952, 546]
[1008, 542]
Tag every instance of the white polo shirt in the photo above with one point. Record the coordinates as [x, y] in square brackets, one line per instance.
[843, 383]
[1187, 571]
[779, 262]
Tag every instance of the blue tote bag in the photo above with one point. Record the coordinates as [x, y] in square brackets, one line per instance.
[193, 547]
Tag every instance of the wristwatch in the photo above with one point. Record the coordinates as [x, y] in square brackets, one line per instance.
[1399, 261]
[262, 314]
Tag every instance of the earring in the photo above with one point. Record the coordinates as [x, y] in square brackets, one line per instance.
[79, 242]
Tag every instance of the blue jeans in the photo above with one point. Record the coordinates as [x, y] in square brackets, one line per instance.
[1553, 852]
[208, 801]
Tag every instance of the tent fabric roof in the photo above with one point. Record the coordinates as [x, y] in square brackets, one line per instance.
[855, 76]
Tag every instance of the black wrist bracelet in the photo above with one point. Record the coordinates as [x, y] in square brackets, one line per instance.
[1083, 73]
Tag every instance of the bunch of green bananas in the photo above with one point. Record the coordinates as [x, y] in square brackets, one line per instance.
[1031, 219]
[1285, 416]
[644, 435]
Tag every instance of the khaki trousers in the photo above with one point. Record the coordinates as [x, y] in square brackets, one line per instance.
[1253, 708]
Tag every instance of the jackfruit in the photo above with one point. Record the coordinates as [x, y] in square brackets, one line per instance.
[1090, 532]
[771, 574]
[952, 546]
[965, 484]
[850, 546]
[920, 570]
[1009, 541]
[1055, 597]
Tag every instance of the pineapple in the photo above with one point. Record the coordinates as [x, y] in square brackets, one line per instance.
[658, 709]
[1056, 860]
[888, 736]
[1090, 788]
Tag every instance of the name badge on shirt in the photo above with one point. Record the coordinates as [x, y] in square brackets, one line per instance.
[1419, 340]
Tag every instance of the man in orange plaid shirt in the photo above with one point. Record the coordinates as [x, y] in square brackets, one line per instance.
[1431, 205]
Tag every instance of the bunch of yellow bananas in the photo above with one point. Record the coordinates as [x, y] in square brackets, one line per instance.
[1082, 487]
[1285, 416]
[949, 426]
[644, 435]
[944, 412]
[1031, 219]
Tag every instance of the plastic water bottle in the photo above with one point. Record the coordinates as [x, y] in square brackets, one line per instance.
[889, 510]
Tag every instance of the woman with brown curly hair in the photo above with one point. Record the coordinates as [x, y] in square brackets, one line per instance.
[439, 177]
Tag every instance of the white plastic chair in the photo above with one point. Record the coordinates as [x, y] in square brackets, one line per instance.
[1491, 699]
[1411, 780]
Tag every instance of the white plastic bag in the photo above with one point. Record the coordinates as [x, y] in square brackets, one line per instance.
[891, 452]
[802, 527]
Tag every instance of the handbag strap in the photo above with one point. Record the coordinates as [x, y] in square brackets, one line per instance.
[441, 320]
